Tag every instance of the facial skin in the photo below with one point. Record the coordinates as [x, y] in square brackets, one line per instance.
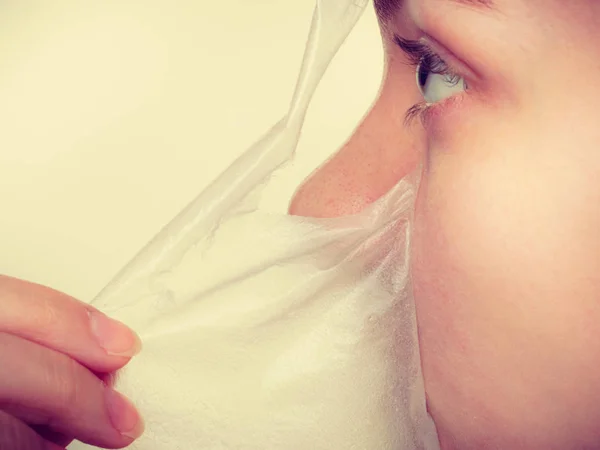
[506, 249]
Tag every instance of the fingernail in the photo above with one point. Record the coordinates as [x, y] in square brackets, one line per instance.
[114, 337]
[123, 415]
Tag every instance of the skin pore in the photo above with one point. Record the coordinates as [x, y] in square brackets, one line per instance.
[506, 245]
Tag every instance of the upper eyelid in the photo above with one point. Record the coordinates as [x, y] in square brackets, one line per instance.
[429, 47]
[413, 49]
[418, 51]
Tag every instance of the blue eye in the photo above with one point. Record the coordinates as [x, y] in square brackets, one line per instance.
[436, 81]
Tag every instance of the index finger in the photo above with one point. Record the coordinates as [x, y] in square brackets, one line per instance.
[62, 323]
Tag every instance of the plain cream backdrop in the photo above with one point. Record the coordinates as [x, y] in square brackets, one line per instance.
[115, 114]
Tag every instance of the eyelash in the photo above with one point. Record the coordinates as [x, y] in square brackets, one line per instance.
[420, 53]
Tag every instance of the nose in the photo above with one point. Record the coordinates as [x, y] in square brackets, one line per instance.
[379, 153]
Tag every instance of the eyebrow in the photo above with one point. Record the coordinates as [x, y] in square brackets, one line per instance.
[386, 9]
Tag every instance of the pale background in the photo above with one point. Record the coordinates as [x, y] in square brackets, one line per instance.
[115, 114]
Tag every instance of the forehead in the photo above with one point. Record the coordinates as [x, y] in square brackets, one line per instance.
[580, 13]
[388, 8]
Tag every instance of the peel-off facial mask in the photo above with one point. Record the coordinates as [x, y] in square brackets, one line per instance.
[265, 331]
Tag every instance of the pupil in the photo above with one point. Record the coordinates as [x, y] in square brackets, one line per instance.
[422, 73]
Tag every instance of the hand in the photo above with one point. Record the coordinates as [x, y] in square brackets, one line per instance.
[55, 356]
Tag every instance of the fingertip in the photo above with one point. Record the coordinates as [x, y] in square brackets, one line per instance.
[114, 337]
[123, 415]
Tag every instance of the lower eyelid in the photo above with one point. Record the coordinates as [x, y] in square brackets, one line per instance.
[417, 111]
[431, 113]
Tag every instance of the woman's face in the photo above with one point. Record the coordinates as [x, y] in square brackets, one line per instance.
[506, 256]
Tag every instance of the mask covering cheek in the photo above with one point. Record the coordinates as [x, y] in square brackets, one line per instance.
[265, 331]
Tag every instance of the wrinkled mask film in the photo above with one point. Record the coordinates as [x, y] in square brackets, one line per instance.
[265, 331]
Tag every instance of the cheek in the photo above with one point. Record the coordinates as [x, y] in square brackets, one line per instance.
[507, 283]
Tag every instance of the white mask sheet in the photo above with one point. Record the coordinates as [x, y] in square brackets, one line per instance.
[265, 331]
